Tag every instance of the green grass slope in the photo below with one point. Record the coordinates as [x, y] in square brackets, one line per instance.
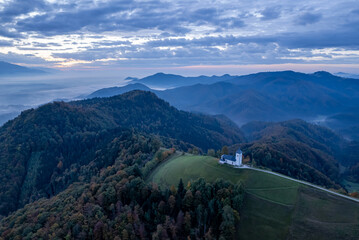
[274, 207]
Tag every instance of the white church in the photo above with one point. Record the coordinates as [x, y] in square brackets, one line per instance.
[232, 160]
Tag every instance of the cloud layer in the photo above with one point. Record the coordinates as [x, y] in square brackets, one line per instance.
[149, 33]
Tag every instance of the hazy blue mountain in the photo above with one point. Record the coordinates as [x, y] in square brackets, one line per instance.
[346, 123]
[163, 81]
[47, 70]
[269, 96]
[12, 69]
[112, 91]
[347, 75]
[8, 112]
[4, 117]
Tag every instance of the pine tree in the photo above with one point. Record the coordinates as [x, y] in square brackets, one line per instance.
[181, 190]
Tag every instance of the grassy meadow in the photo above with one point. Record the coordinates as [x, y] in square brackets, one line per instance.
[274, 207]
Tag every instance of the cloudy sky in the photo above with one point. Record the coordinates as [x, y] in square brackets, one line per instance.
[187, 34]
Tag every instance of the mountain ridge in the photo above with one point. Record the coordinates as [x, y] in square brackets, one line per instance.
[163, 80]
[328, 92]
[8, 69]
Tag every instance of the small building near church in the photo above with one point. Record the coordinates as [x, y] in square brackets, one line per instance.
[232, 160]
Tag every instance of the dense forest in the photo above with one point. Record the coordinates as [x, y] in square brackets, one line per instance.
[147, 113]
[116, 203]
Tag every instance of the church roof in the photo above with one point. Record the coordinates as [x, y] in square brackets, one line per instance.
[229, 158]
[239, 151]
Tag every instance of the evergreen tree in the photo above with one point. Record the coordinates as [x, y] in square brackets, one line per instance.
[181, 190]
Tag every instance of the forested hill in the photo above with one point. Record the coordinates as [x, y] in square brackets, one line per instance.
[297, 149]
[44, 150]
[148, 113]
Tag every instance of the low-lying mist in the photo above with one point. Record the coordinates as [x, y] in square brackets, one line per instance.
[18, 93]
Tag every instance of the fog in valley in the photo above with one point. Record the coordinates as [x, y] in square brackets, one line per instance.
[22, 92]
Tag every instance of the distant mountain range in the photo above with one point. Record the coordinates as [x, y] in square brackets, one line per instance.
[9, 69]
[267, 96]
[112, 91]
[347, 75]
[164, 81]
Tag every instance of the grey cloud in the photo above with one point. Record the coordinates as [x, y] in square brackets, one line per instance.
[204, 14]
[230, 23]
[4, 43]
[308, 18]
[321, 39]
[92, 54]
[44, 45]
[113, 16]
[270, 13]
[19, 58]
[345, 37]
[65, 22]
[17, 7]
[4, 32]
[111, 43]
[197, 51]
[121, 16]
[240, 34]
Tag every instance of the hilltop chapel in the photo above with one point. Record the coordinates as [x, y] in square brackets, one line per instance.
[232, 160]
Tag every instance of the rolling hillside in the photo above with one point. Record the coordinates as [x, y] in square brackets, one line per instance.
[45, 148]
[273, 208]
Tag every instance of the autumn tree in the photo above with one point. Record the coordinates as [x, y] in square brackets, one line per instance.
[224, 150]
